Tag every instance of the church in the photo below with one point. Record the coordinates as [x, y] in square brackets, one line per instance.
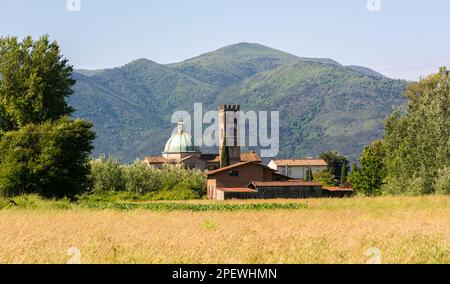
[181, 150]
[244, 177]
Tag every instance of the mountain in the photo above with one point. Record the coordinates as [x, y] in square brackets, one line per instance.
[323, 105]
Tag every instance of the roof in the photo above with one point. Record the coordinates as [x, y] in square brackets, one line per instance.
[292, 183]
[230, 167]
[236, 189]
[181, 142]
[336, 188]
[245, 157]
[156, 160]
[191, 157]
[300, 162]
[250, 156]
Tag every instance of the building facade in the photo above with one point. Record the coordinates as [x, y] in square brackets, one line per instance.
[297, 168]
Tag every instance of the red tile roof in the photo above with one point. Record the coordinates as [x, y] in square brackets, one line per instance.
[291, 183]
[299, 162]
[156, 160]
[337, 188]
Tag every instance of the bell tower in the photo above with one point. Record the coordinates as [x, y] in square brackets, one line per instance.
[229, 127]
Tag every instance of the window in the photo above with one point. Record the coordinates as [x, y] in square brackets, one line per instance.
[234, 173]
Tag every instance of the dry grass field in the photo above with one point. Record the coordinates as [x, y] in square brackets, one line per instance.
[403, 229]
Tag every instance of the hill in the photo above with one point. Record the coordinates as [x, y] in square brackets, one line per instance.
[323, 105]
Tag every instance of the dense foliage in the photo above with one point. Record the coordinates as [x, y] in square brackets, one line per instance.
[323, 105]
[336, 163]
[368, 178]
[50, 159]
[41, 150]
[138, 180]
[35, 81]
[326, 178]
[417, 139]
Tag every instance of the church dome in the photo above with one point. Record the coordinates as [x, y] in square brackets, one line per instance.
[181, 142]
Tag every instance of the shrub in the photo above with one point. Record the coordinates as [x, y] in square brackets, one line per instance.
[106, 175]
[141, 178]
[138, 181]
[325, 177]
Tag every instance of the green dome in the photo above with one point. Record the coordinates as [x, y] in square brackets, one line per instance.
[181, 142]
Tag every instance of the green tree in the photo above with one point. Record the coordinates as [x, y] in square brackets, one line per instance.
[335, 163]
[107, 175]
[35, 81]
[325, 177]
[224, 155]
[50, 159]
[343, 174]
[309, 175]
[368, 178]
[417, 138]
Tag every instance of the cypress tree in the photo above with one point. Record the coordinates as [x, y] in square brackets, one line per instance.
[224, 155]
[309, 175]
[343, 174]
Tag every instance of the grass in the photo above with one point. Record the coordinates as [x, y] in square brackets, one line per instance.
[404, 229]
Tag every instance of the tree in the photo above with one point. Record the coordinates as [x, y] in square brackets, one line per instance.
[325, 177]
[50, 159]
[417, 138]
[224, 155]
[335, 163]
[343, 174]
[35, 81]
[368, 178]
[309, 175]
[43, 151]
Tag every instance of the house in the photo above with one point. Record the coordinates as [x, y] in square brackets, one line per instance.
[222, 183]
[297, 168]
[251, 180]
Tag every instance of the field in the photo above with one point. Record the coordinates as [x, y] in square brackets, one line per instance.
[354, 230]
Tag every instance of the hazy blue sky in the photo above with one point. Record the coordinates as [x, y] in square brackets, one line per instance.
[405, 39]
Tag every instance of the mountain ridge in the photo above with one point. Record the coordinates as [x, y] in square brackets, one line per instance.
[131, 105]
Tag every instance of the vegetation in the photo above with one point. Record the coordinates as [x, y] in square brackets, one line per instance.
[41, 150]
[417, 140]
[138, 181]
[336, 163]
[342, 108]
[35, 81]
[309, 175]
[224, 154]
[298, 234]
[414, 156]
[325, 177]
[369, 177]
[343, 174]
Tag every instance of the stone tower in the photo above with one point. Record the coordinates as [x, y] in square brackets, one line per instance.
[229, 124]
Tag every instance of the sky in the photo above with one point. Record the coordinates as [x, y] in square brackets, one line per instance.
[402, 39]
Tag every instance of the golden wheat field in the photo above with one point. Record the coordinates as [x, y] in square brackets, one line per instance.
[354, 230]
